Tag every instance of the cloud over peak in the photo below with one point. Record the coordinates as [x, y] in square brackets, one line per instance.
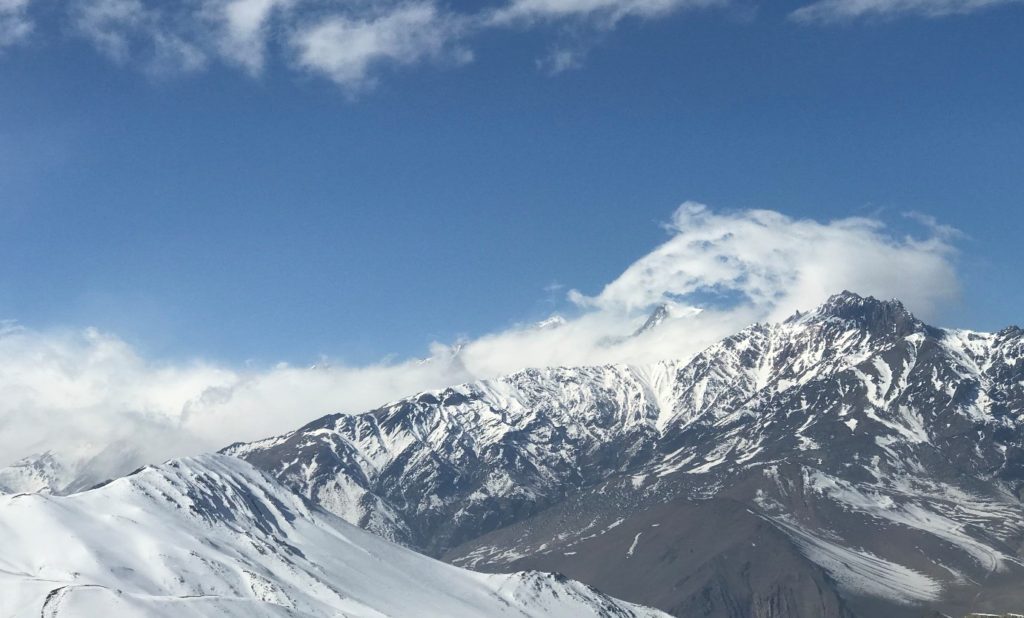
[768, 260]
[78, 391]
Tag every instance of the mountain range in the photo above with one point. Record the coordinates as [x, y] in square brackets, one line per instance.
[851, 461]
[847, 461]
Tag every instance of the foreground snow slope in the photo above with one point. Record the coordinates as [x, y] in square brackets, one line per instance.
[211, 535]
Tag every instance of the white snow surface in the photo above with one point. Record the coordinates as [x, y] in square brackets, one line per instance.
[211, 535]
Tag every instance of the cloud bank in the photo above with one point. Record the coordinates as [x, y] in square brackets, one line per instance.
[79, 392]
[350, 43]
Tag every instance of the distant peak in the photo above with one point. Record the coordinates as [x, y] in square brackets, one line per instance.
[657, 316]
[663, 312]
[554, 321]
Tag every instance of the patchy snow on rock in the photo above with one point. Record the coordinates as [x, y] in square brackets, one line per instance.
[862, 572]
[632, 547]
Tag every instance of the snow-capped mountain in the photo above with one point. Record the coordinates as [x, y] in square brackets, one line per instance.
[657, 316]
[847, 461]
[61, 473]
[45, 473]
[212, 535]
[663, 312]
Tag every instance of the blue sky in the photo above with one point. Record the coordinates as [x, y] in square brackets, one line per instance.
[209, 207]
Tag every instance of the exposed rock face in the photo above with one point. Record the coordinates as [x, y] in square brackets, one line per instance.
[880, 459]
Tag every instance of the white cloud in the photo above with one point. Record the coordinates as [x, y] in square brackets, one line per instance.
[129, 31]
[581, 23]
[345, 42]
[830, 11]
[344, 48]
[607, 11]
[77, 392]
[349, 42]
[15, 24]
[780, 264]
[242, 28]
[179, 37]
[344, 45]
[724, 271]
[561, 60]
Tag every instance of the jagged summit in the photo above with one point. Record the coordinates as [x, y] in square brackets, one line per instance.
[658, 315]
[664, 312]
[878, 317]
[1010, 332]
[853, 306]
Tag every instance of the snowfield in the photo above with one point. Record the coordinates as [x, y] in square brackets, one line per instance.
[212, 535]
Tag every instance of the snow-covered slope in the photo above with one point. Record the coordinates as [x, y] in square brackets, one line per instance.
[881, 447]
[214, 536]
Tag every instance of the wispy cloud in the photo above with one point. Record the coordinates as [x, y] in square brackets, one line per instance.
[78, 391]
[349, 43]
[353, 43]
[241, 29]
[179, 37]
[561, 60]
[833, 11]
[344, 43]
[15, 24]
[131, 32]
[345, 48]
[606, 12]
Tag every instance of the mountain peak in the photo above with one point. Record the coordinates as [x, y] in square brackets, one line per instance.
[839, 411]
[663, 312]
[877, 316]
[658, 315]
[41, 473]
[850, 305]
[1010, 332]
